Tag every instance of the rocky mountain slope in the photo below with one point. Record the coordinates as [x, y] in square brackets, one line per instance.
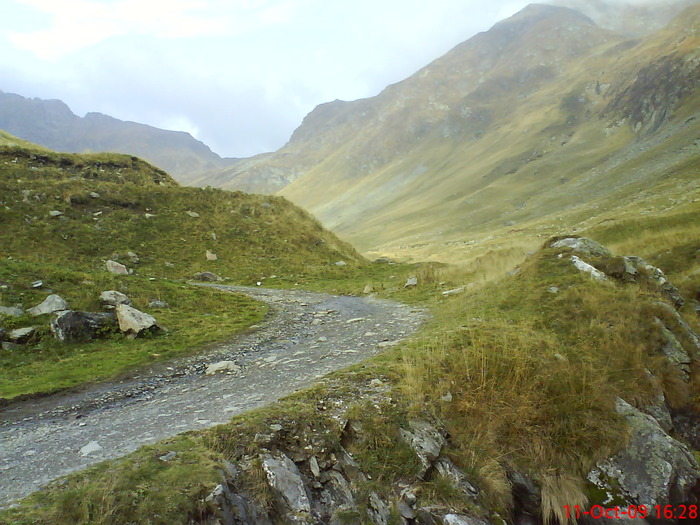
[52, 124]
[543, 116]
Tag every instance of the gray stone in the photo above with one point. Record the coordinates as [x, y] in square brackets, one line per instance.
[654, 469]
[210, 256]
[55, 213]
[583, 246]
[157, 303]
[284, 478]
[37, 284]
[133, 257]
[53, 303]
[72, 326]
[133, 322]
[21, 335]
[655, 276]
[193, 214]
[116, 268]
[377, 510]
[410, 282]
[446, 468]
[341, 263]
[10, 347]
[587, 268]
[11, 311]
[455, 291]
[553, 289]
[674, 351]
[461, 519]
[90, 448]
[207, 276]
[94, 195]
[222, 366]
[425, 440]
[368, 289]
[109, 299]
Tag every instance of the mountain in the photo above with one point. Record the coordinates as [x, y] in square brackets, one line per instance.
[52, 124]
[544, 116]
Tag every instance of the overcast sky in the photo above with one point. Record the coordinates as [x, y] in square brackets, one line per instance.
[239, 75]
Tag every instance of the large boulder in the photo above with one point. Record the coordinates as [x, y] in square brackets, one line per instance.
[654, 469]
[109, 299]
[73, 326]
[53, 303]
[134, 322]
[581, 245]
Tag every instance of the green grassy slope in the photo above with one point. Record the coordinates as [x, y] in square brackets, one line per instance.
[62, 216]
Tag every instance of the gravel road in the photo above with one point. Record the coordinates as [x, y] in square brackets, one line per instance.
[306, 336]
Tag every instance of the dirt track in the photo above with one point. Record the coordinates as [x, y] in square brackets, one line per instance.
[306, 336]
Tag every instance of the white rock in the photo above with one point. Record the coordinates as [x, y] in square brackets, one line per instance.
[111, 298]
[411, 281]
[193, 214]
[585, 267]
[117, 268]
[341, 263]
[53, 303]
[211, 256]
[90, 448]
[21, 335]
[133, 321]
[55, 213]
[456, 291]
[222, 366]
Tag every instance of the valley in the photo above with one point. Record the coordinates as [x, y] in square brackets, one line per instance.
[489, 313]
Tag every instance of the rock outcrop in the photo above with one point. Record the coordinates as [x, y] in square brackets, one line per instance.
[134, 322]
[53, 303]
[72, 327]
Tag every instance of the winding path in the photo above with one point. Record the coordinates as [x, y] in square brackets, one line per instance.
[306, 336]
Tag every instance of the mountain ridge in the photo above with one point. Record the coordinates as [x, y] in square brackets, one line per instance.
[52, 124]
[465, 143]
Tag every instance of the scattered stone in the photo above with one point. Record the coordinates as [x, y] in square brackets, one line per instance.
[37, 284]
[110, 299]
[207, 276]
[133, 257]
[313, 466]
[368, 289]
[378, 510]
[116, 268]
[355, 320]
[90, 448]
[133, 322]
[582, 245]
[73, 326]
[447, 398]
[157, 303]
[167, 457]
[211, 256]
[149, 215]
[585, 267]
[21, 335]
[553, 289]
[376, 383]
[410, 282]
[168, 264]
[284, 478]
[322, 339]
[276, 427]
[94, 195]
[425, 440]
[222, 366]
[55, 213]
[341, 263]
[449, 470]
[456, 291]
[193, 214]
[53, 303]
[11, 311]
[387, 344]
[265, 204]
[460, 519]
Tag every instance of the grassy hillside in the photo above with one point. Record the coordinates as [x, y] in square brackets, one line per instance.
[64, 215]
[533, 125]
[532, 377]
